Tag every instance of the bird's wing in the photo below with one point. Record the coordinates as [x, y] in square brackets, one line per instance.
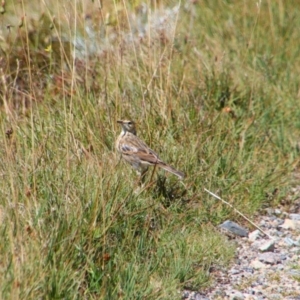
[137, 148]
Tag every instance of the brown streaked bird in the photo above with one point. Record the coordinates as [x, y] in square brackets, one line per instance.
[137, 153]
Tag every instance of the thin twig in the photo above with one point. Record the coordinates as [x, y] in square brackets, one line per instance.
[219, 198]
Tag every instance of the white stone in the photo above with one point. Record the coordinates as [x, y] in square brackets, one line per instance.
[254, 235]
[290, 224]
[267, 246]
[256, 264]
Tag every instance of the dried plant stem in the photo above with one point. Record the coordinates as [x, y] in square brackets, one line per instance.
[252, 223]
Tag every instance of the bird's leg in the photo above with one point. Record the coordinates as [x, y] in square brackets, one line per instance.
[142, 177]
[152, 173]
[140, 182]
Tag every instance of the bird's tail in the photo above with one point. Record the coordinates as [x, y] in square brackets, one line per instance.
[172, 170]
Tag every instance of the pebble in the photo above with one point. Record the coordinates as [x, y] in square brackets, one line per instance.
[290, 242]
[256, 264]
[277, 211]
[295, 217]
[267, 246]
[269, 258]
[235, 271]
[290, 224]
[234, 228]
[294, 272]
[254, 235]
[236, 295]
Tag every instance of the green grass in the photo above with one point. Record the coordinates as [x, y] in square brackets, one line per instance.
[214, 91]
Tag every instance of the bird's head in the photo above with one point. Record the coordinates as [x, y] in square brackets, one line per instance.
[127, 125]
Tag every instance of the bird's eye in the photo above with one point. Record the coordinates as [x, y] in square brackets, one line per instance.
[129, 123]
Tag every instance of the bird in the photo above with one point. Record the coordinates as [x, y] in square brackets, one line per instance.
[136, 152]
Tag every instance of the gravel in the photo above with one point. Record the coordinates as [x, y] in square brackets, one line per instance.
[265, 268]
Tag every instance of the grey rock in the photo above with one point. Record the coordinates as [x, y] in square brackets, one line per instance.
[185, 294]
[269, 258]
[277, 211]
[282, 256]
[249, 270]
[235, 271]
[277, 232]
[254, 235]
[236, 295]
[191, 295]
[275, 297]
[220, 293]
[294, 272]
[256, 264]
[269, 211]
[295, 217]
[234, 228]
[280, 267]
[280, 221]
[262, 223]
[294, 252]
[198, 296]
[290, 224]
[290, 242]
[267, 246]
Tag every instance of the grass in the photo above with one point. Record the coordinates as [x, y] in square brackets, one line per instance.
[214, 86]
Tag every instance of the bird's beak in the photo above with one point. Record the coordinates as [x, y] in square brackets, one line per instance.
[120, 121]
